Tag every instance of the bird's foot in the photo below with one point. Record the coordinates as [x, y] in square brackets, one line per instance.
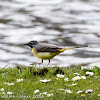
[48, 63]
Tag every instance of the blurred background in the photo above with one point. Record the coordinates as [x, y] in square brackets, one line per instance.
[60, 22]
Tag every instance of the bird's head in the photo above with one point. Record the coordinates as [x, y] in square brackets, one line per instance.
[32, 43]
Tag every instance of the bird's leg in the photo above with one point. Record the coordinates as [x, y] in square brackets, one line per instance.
[42, 61]
[49, 62]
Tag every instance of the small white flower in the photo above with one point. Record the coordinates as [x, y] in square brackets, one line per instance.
[9, 92]
[2, 89]
[5, 83]
[61, 89]
[76, 78]
[82, 95]
[66, 79]
[83, 77]
[43, 93]
[89, 91]
[90, 73]
[76, 74]
[36, 91]
[9, 83]
[73, 84]
[56, 78]
[68, 91]
[98, 94]
[79, 91]
[60, 75]
[3, 92]
[45, 80]
[49, 95]
[19, 80]
[69, 84]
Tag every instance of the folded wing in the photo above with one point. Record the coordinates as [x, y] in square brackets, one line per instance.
[47, 48]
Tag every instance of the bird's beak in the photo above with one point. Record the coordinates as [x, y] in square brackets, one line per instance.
[26, 44]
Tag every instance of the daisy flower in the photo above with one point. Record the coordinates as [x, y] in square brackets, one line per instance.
[2, 89]
[89, 91]
[73, 84]
[76, 74]
[79, 91]
[66, 79]
[36, 91]
[68, 91]
[43, 93]
[60, 75]
[9, 83]
[49, 95]
[61, 89]
[82, 95]
[19, 80]
[83, 77]
[76, 78]
[98, 95]
[90, 73]
[9, 92]
[45, 80]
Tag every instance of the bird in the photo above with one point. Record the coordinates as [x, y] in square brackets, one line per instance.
[46, 51]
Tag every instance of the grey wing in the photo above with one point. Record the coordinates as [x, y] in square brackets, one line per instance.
[47, 48]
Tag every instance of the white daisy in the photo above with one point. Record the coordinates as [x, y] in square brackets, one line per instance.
[73, 84]
[56, 78]
[43, 93]
[49, 95]
[76, 78]
[61, 89]
[9, 83]
[76, 74]
[68, 91]
[83, 77]
[3, 92]
[66, 79]
[79, 91]
[82, 95]
[45, 80]
[90, 73]
[60, 75]
[98, 94]
[19, 80]
[9, 92]
[2, 89]
[36, 91]
[89, 91]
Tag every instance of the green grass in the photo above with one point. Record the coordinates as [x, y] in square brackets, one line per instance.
[31, 81]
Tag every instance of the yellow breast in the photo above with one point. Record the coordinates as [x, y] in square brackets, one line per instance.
[44, 55]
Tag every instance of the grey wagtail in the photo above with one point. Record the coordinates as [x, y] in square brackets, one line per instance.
[46, 51]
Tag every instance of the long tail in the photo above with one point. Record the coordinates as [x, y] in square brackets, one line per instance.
[61, 50]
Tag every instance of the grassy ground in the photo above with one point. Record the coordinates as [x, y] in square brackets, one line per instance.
[56, 89]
